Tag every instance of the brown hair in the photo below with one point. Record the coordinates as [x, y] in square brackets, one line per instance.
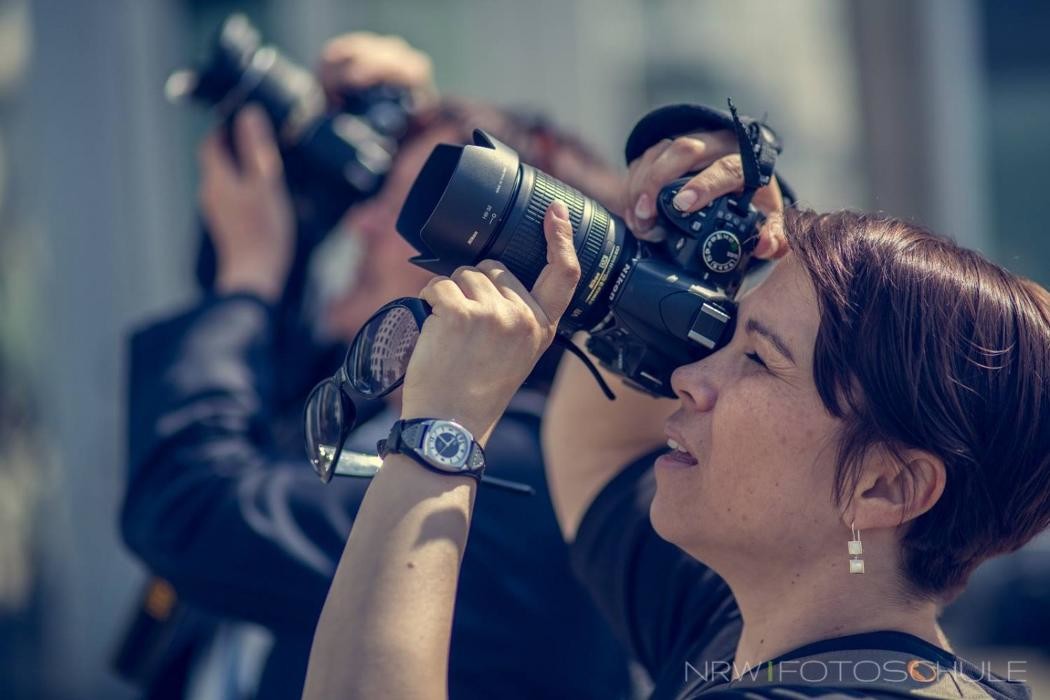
[926, 345]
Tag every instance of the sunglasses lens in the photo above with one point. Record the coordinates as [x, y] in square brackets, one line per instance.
[325, 424]
[379, 356]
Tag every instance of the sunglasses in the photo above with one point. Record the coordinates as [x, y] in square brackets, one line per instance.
[375, 365]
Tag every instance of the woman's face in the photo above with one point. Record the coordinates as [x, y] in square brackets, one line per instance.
[754, 487]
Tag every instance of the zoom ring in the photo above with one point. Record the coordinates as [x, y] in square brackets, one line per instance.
[526, 251]
[597, 225]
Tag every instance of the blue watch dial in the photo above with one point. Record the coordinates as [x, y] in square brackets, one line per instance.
[447, 444]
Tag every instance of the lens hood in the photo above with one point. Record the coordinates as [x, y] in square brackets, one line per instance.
[458, 202]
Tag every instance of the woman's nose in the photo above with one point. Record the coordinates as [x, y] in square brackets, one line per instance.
[693, 385]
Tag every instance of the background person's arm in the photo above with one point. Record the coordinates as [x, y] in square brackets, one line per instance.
[385, 628]
[210, 504]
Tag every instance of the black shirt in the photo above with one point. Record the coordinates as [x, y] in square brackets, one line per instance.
[682, 623]
[244, 528]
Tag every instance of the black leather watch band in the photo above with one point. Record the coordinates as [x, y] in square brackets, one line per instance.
[408, 437]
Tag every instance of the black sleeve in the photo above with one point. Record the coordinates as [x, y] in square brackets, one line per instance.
[209, 506]
[660, 601]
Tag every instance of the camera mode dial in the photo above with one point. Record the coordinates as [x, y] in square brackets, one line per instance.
[714, 242]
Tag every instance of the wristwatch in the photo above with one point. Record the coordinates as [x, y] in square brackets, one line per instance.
[442, 446]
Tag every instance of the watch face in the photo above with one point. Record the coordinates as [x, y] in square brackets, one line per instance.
[447, 445]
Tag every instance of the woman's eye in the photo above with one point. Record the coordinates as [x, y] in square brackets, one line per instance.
[753, 356]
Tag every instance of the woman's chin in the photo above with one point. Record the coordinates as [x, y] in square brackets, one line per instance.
[666, 519]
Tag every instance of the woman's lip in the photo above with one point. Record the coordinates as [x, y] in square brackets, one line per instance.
[674, 458]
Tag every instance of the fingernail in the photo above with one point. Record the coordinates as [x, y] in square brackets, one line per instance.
[684, 199]
[559, 210]
[643, 209]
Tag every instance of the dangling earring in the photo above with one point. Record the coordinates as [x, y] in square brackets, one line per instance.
[856, 564]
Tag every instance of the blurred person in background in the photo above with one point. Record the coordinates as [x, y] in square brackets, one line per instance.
[221, 501]
[741, 547]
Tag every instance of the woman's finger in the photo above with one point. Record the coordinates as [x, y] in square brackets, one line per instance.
[685, 154]
[339, 56]
[723, 176]
[445, 297]
[362, 59]
[505, 282]
[639, 214]
[215, 161]
[256, 146]
[769, 199]
[557, 281]
[475, 284]
[772, 241]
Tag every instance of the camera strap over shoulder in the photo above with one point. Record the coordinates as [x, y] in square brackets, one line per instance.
[887, 672]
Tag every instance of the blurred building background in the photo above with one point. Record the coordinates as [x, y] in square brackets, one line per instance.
[935, 110]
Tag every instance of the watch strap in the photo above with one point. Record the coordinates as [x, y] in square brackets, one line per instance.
[406, 437]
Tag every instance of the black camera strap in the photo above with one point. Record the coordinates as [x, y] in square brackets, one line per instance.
[757, 157]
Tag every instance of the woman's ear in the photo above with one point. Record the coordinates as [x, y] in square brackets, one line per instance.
[897, 487]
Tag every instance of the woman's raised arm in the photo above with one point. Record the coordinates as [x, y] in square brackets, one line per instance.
[385, 628]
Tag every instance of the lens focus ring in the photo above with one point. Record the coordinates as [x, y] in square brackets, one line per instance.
[526, 251]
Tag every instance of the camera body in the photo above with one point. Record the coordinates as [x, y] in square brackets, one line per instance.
[672, 302]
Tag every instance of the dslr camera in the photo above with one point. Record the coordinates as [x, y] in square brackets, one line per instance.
[331, 159]
[648, 307]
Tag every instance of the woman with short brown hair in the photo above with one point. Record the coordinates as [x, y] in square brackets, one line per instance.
[872, 432]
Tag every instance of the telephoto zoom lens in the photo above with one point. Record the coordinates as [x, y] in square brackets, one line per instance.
[477, 202]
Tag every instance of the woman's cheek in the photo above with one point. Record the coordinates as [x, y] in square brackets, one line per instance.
[742, 420]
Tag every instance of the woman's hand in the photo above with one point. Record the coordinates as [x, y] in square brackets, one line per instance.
[487, 332]
[247, 208]
[360, 60]
[716, 156]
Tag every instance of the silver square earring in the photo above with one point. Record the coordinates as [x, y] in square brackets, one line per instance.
[856, 563]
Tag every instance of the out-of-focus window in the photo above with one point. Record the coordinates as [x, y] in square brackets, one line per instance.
[1017, 61]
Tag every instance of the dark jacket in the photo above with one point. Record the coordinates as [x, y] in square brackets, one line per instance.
[240, 525]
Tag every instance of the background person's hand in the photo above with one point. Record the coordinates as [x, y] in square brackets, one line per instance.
[716, 156]
[246, 206]
[487, 332]
[360, 60]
